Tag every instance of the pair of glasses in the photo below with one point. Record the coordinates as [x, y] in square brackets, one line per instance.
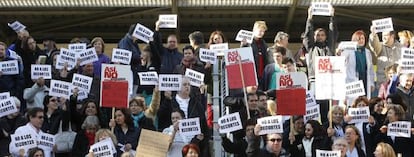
[276, 139]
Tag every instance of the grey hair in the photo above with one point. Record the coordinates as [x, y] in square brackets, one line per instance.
[90, 121]
[16, 100]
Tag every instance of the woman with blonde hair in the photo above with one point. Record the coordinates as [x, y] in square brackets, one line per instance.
[384, 150]
[405, 37]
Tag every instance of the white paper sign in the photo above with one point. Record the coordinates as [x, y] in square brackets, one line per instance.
[88, 56]
[399, 129]
[82, 82]
[117, 71]
[103, 148]
[330, 72]
[148, 78]
[66, 56]
[291, 80]
[355, 89]
[4, 95]
[383, 25]
[46, 141]
[348, 45]
[142, 33]
[310, 99]
[321, 8]
[244, 34]
[121, 56]
[16, 26]
[7, 106]
[208, 56]
[328, 153]
[23, 140]
[168, 21]
[229, 123]
[360, 114]
[219, 47]
[407, 60]
[78, 47]
[312, 113]
[196, 78]
[60, 89]
[190, 126]
[169, 82]
[38, 71]
[9, 67]
[231, 55]
[270, 124]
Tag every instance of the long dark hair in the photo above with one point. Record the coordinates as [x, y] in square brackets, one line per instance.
[127, 117]
[317, 128]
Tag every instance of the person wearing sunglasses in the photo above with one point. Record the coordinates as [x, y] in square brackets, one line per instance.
[273, 147]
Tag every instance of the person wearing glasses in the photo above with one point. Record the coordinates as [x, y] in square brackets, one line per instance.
[340, 144]
[55, 113]
[273, 147]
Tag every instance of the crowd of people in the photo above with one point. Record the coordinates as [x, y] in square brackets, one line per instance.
[389, 96]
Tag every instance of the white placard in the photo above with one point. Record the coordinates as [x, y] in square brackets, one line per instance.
[38, 71]
[104, 148]
[355, 89]
[312, 113]
[328, 153]
[219, 47]
[229, 123]
[78, 47]
[88, 56]
[82, 95]
[169, 82]
[407, 60]
[196, 78]
[310, 99]
[360, 114]
[60, 89]
[46, 141]
[66, 56]
[82, 82]
[208, 56]
[4, 95]
[399, 129]
[23, 140]
[148, 78]
[330, 72]
[16, 26]
[142, 33]
[407, 53]
[117, 71]
[9, 67]
[244, 34]
[291, 80]
[121, 56]
[7, 106]
[383, 25]
[348, 45]
[190, 126]
[245, 53]
[321, 8]
[270, 124]
[168, 20]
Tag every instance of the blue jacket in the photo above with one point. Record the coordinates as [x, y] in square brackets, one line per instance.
[128, 44]
[170, 58]
[12, 83]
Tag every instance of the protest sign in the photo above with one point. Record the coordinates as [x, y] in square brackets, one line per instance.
[82, 95]
[291, 101]
[60, 89]
[208, 56]
[355, 89]
[328, 153]
[23, 140]
[4, 95]
[196, 78]
[190, 126]
[82, 82]
[77, 47]
[399, 129]
[152, 144]
[229, 123]
[88, 56]
[46, 141]
[103, 148]
[310, 99]
[169, 82]
[38, 71]
[114, 93]
[7, 106]
[121, 56]
[291, 80]
[16, 26]
[142, 33]
[406, 62]
[168, 20]
[219, 47]
[148, 78]
[270, 124]
[248, 69]
[9, 67]
[348, 45]
[383, 25]
[66, 56]
[360, 114]
[117, 72]
[330, 75]
[231, 56]
[312, 113]
[244, 34]
[322, 8]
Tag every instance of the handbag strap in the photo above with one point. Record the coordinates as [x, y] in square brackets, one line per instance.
[60, 127]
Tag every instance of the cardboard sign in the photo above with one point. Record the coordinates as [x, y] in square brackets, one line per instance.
[60, 89]
[383, 25]
[208, 56]
[168, 20]
[9, 67]
[270, 124]
[190, 126]
[291, 101]
[88, 56]
[23, 140]
[142, 33]
[312, 113]
[229, 123]
[328, 153]
[103, 148]
[148, 78]
[118, 72]
[114, 94]
[82, 82]
[310, 99]
[355, 89]
[78, 47]
[196, 78]
[360, 114]
[330, 75]
[121, 56]
[321, 8]
[219, 47]
[4, 95]
[169, 82]
[16, 26]
[66, 56]
[399, 129]
[46, 141]
[152, 144]
[38, 71]
[7, 106]
[244, 34]
[291, 80]
[348, 45]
